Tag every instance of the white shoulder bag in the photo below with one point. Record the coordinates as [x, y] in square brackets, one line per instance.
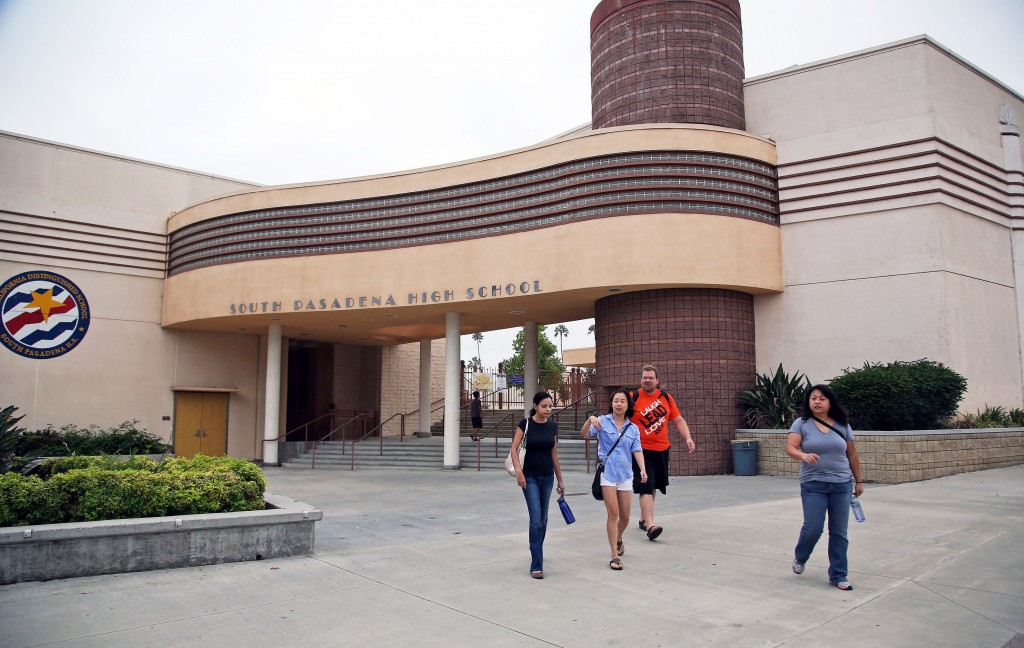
[511, 467]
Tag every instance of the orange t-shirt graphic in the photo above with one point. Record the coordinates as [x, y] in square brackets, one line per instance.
[653, 414]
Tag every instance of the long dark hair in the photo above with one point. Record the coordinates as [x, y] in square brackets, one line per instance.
[537, 398]
[629, 402]
[835, 408]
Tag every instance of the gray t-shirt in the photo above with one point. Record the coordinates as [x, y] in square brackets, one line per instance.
[833, 464]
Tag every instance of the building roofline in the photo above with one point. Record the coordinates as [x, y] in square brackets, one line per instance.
[922, 39]
[124, 158]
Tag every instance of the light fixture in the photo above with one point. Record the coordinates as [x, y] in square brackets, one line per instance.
[517, 312]
[275, 319]
[342, 325]
[390, 315]
[615, 290]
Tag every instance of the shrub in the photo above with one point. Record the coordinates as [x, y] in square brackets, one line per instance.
[97, 488]
[126, 438]
[28, 500]
[774, 400]
[59, 465]
[992, 417]
[901, 395]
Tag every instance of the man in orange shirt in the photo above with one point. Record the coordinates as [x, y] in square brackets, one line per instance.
[653, 411]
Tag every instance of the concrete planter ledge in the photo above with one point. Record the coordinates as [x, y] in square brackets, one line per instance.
[904, 456]
[49, 551]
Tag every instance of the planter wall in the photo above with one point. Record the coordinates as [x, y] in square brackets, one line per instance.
[49, 551]
[906, 456]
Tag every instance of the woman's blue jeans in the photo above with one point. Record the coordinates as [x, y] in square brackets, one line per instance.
[819, 497]
[538, 497]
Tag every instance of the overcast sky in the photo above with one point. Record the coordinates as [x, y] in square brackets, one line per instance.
[304, 90]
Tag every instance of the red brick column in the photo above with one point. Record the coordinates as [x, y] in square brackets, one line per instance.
[667, 61]
[702, 342]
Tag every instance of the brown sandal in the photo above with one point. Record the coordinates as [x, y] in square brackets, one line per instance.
[615, 564]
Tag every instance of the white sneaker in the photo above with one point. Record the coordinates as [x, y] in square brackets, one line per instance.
[798, 567]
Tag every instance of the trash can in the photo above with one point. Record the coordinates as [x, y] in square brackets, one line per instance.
[744, 457]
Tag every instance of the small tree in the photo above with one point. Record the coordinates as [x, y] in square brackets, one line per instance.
[547, 358]
[900, 395]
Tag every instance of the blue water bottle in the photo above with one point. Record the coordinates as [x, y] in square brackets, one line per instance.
[858, 512]
[566, 511]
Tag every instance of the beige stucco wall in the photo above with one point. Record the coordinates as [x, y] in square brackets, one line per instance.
[127, 363]
[896, 246]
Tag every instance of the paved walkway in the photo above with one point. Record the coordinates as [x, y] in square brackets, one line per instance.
[440, 559]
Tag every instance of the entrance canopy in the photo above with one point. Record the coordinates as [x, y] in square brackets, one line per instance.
[534, 235]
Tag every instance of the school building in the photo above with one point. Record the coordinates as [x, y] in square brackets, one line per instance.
[868, 207]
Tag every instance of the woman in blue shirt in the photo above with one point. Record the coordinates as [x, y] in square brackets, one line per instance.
[617, 478]
[822, 441]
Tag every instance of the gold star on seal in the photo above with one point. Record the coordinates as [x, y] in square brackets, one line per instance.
[45, 302]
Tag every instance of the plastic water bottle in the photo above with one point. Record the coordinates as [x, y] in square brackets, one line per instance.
[858, 512]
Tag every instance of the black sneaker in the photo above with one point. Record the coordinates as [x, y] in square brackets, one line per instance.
[643, 525]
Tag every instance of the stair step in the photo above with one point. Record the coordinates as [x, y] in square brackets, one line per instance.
[428, 454]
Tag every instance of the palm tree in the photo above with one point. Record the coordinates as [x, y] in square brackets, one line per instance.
[478, 338]
[561, 332]
[590, 329]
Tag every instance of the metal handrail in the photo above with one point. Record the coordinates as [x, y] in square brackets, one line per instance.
[331, 434]
[586, 442]
[481, 437]
[416, 411]
[493, 428]
[305, 425]
[380, 428]
[401, 434]
[575, 406]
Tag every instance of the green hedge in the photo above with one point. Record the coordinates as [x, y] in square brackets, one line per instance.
[917, 395]
[81, 489]
[123, 439]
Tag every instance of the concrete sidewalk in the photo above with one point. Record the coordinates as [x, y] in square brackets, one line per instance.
[440, 559]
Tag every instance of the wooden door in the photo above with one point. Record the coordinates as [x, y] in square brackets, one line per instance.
[200, 423]
[214, 439]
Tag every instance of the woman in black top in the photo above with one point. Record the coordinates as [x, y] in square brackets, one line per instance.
[537, 473]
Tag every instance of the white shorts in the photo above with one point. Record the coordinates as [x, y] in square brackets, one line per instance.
[619, 486]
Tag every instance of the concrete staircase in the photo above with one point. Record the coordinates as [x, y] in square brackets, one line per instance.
[569, 422]
[428, 454]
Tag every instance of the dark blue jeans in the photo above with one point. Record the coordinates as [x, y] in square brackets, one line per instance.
[819, 497]
[538, 497]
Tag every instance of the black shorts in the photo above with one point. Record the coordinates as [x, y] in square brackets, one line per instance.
[656, 463]
[478, 422]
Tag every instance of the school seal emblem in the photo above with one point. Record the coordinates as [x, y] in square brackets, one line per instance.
[45, 315]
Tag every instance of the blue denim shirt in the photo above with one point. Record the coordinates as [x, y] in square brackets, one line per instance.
[618, 467]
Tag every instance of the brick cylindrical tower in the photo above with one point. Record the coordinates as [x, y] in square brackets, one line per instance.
[667, 61]
[702, 342]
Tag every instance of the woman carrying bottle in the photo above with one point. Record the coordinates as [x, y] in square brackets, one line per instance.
[822, 441]
[618, 438]
[539, 470]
